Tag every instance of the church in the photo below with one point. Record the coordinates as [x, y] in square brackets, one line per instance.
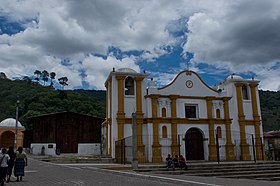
[185, 117]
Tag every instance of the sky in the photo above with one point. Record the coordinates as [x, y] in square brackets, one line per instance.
[85, 39]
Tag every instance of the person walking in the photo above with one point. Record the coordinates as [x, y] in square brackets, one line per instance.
[11, 163]
[4, 159]
[20, 163]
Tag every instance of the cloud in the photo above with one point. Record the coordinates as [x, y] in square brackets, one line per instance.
[99, 68]
[238, 36]
[245, 33]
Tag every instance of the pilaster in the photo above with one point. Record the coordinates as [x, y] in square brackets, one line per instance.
[245, 153]
[211, 145]
[157, 158]
[120, 113]
[256, 117]
[230, 154]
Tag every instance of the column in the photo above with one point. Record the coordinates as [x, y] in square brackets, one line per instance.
[139, 120]
[157, 158]
[256, 116]
[174, 134]
[211, 145]
[120, 113]
[230, 155]
[245, 154]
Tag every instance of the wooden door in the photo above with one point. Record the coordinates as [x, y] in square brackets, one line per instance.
[194, 144]
[67, 139]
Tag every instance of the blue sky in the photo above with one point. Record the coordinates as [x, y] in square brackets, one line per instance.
[85, 40]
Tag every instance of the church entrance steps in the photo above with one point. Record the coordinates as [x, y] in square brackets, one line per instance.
[241, 170]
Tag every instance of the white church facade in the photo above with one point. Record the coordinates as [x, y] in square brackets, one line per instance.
[184, 117]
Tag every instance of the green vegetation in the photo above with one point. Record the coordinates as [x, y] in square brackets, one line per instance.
[36, 99]
[270, 109]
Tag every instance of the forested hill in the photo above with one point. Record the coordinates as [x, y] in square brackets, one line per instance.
[36, 99]
[270, 109]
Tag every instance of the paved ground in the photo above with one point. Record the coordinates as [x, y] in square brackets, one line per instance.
[40, 173]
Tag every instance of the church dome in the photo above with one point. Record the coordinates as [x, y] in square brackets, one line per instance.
[234, 76]
[10, 122]
[127, 70]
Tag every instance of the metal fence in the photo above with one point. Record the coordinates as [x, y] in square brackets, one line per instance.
[199, 148]
[272, 148]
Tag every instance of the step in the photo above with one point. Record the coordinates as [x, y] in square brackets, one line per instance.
[246, 172]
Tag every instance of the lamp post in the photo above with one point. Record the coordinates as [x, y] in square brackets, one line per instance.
[16, 132]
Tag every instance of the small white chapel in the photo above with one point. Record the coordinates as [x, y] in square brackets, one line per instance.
[185, 117]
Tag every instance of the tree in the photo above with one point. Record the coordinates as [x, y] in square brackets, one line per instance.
[45, 76]
[3, 75]
[37, 73]
[63, 81]
[52, 76]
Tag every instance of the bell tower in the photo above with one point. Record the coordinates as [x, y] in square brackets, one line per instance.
[125, 94]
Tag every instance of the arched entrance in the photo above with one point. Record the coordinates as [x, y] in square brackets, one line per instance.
[7, 139]
[194, 144]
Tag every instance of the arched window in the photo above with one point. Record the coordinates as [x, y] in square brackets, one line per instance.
[218, 113]
[245, 94]
[164, 132]
[129, 86]
[163, 112]
[219, 132]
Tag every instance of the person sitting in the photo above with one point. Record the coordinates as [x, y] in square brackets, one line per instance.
[169, 162]
[175, 161]
[182, 162]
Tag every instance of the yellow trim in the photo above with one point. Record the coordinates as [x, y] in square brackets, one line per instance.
[180, 120]
[120, 80]
[230, 154]
[120, 114]
[139, 120]
[139, 94]
[185, 97]
[154, 106]
[239, 98]
[245, 154]
[211, 145]
[156, 147]
[256, 116]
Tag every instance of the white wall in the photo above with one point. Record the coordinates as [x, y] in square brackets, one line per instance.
[89, 149]
[36, 149]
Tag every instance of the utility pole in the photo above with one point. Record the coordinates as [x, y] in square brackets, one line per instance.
[16, 130]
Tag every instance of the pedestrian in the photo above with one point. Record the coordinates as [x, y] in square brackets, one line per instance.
[20, 163]
[169, 162]
[11, 163]
[175, 161]
[4, 159]
[182, 162]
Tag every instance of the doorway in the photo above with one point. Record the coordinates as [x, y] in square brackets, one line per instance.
[67, 139]
[7, 139]
[194, 144]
